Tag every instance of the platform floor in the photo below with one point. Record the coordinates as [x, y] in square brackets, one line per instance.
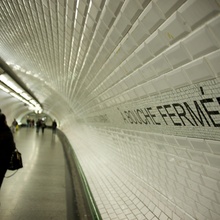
[37, 191]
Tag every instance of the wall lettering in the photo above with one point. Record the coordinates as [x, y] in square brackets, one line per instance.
[204, 112]
[191, 111]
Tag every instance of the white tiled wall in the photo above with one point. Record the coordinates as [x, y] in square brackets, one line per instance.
[168, 53]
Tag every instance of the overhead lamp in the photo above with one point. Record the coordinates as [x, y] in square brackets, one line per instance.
[33, 101]
[25, 95]
[8, 85]
[8, 81]
[16, 96]
[4, 88]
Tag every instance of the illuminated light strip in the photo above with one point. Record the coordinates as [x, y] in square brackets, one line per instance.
[16, 96]
[7, 81]
[16, 91]
[25, 95]
[21, 99]
[4, 89]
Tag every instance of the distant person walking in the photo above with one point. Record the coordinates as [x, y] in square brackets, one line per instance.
[38, 125]
[7, 146]
[43, 126]
[14, 126]
[54, 127]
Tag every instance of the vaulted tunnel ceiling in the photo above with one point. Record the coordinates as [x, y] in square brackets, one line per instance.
[71, 53]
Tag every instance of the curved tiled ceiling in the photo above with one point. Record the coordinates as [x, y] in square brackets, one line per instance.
[71, 53]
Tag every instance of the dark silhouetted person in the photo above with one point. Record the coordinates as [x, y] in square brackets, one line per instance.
[54, 126]
[14, 126]
[7, 146]
[43, 126]
[38, 125]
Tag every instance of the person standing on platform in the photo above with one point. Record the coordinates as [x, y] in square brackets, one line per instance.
[43, 126]
[14, 126]
[54, 127]
[7, 146]
[38, 125]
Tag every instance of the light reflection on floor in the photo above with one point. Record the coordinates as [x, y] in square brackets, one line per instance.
[37, 191]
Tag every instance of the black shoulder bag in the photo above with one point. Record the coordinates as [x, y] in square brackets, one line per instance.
[16, 161]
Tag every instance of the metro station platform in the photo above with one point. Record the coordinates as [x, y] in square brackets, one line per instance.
[42, 189]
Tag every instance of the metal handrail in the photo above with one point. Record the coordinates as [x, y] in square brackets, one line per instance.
[72, 160]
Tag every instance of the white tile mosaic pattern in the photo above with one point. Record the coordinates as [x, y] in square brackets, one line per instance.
[138, 96]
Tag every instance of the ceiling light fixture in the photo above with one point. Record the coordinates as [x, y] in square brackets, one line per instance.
[7, 84]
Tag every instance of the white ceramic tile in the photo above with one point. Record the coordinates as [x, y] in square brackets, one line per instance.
[204, 201]
[130, 9]
[176, 217]
[138, 33]
[199, 144]
[214, 215]
[197, 157]
[195, 177]
[156, 43]
[211, 183]
[213, 160]
[201, 43]
[214, 173]
[133, 62]
[161, 84]
[177, 78]
[168, 212]
[214, 25]
[194, 12]
[189, 209]
[129, 82]
[140, 217]
[183, 163]
[151, 18]
[216, 207]
[180, 213]
[148, 72]
[137, 77]
[149, 215]
[213, 60]
[208, 193]
[171, 140]
[199, 70]
[169, 7]
[217, 194]
[177, 55]
[183, 153]
[214, 145]
[191, 194]
[149, 88]
[132, 94]
[163, 216]
[182, 175]
[128, 44]
[161, 65]
[196, 167]
[139, 91]
[122, 24]
[143, 53]
[174, 29]
[183, 142]
[198, 216]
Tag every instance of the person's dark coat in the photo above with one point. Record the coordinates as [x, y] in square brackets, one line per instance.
[7, 146]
